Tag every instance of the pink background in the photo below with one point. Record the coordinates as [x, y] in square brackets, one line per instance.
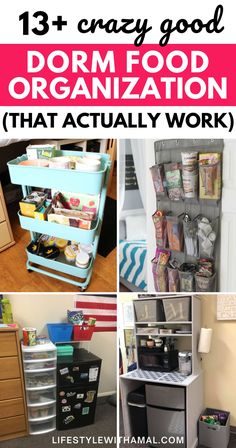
[221, 64]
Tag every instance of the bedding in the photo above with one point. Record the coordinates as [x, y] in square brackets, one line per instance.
[136, 227]
[133, 257]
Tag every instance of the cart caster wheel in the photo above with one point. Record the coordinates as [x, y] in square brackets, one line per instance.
[82, 289]
[29, 270]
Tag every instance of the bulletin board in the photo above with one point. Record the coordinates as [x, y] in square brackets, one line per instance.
[226, 307]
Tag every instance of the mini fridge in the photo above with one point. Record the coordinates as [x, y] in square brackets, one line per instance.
[77, 388]
[166, 415]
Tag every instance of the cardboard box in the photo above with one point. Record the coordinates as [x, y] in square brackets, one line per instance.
[42, 212]
[30, 203]
[73, 218]
[80, 201]
[28, 208]
[41, 151]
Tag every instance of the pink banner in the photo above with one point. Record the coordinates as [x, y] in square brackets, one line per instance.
[117, 75]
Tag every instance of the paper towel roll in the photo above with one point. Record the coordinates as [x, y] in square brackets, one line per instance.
[204, 345]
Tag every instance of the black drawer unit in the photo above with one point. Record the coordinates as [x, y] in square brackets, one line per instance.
[77, 388]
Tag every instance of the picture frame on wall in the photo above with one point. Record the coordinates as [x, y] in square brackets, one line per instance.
[129, 337]
[226, 307]
[128, 314]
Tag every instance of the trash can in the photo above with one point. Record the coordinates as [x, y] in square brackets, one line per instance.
[214, 435]
[137, 412]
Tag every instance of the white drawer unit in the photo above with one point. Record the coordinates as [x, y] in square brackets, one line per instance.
[37, 398]
[41, 413]
[39, 427]
[39, 364]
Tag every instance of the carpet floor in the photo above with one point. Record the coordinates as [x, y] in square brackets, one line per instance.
[105, 425]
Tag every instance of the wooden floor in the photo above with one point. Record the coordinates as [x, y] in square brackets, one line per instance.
[15, 277]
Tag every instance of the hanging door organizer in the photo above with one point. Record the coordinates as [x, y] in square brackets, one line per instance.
[197, 208]
[67, 180]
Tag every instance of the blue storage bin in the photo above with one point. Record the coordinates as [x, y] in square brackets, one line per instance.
[60, 230]
[68, 180]
[60, 332]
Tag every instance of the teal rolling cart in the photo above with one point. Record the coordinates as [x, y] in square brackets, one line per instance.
[64, 180]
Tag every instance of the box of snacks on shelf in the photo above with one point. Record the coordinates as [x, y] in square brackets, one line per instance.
[73, 218]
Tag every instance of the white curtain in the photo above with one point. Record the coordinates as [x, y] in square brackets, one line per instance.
[139, 156]
[121, 174]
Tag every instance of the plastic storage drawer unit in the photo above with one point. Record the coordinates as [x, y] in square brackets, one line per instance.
[40, 398]
[40, 380]
[149, 310]
[39, 363]
[43, 352]
[41, 413]
[39, 427]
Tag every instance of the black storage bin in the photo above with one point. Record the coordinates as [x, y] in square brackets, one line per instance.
[137, 412]
[155, 359]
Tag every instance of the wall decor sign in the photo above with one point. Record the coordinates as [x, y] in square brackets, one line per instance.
[226, 307]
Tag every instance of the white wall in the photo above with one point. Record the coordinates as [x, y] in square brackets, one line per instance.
[228, 222]
[36, 310]
[123, 299]
[220, 364]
